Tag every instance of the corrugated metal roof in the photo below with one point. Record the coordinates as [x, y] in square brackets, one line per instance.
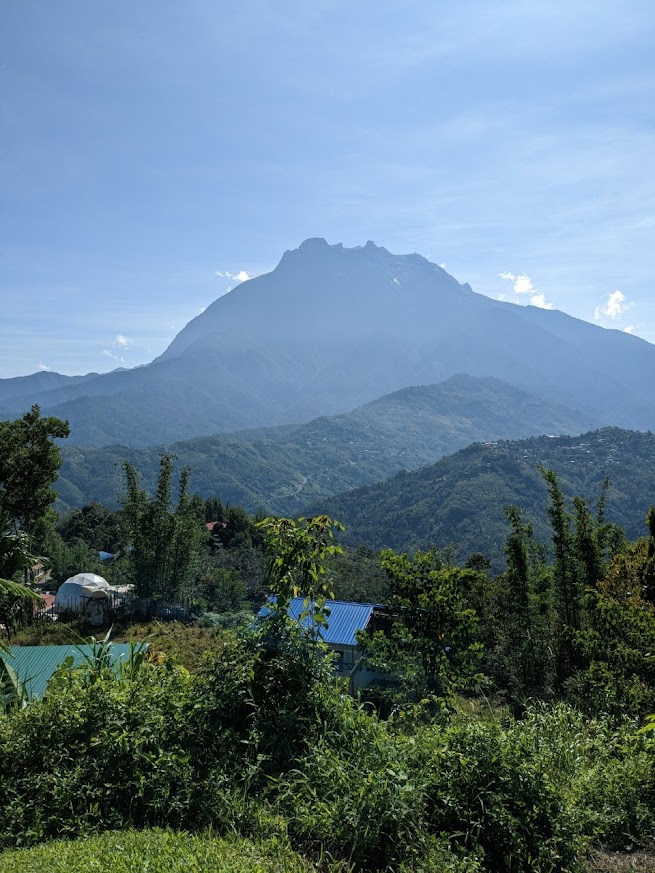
[35, 665]
[344, 621]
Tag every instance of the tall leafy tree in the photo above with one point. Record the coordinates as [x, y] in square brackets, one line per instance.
[431, 647]
[618, 639]
[29, 464]
[520, 655]
[164, 539]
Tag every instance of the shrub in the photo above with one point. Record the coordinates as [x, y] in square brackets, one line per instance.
[490, 794]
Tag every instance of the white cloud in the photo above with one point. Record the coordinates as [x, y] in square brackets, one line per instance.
[123, 341]
[114, 357]
[540, 301]
[522, 284]
[634, 329]
[241, 276]
[43, 367]
[614, 306]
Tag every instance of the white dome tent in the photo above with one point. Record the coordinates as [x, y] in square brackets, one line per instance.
[84, 592]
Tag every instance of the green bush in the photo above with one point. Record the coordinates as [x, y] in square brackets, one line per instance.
[603, 769]
[95, 756]
[351, 797]
[491, 795]
[261, 742]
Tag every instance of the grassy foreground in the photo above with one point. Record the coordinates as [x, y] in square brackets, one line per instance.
[612, 862]
[154, 851]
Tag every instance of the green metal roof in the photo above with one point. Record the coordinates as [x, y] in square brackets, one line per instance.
[35, 665]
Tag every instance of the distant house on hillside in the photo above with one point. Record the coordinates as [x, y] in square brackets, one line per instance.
[39, 573]
[344, 622]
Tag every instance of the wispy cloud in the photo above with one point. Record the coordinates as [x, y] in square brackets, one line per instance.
[631, 328]
[241, 276]
[522, 284]
[124, 342]
[43, 367]
[114, 357]
[614, 306]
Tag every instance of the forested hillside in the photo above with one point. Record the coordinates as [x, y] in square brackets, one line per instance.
[281, 469]
[461, 499]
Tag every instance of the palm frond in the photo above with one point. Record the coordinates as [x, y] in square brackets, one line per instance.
[16, 589]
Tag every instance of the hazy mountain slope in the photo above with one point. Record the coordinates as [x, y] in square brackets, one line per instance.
[281, 469]
[460, 500]
[331, 328]
[37, 385]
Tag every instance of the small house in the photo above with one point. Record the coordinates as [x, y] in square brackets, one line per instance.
[35, 665]
[345, 620]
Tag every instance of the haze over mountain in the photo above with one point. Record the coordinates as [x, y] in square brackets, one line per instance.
[460, 500]
[37, 385]
[281, 469]
[331, 328]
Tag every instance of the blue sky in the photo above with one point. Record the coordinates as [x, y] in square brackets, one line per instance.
[146, 148]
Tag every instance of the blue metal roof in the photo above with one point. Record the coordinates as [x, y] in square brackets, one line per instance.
[344, 621]
[35, 665]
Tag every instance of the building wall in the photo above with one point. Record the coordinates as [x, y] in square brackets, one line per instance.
[348, 658]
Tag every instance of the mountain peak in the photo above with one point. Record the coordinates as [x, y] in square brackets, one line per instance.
[318, 250]
[316, 244]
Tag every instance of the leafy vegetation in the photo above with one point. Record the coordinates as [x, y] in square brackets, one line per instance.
[502, 735]
[262, 741]
[431, 647]
[29, 464]
[162, 543]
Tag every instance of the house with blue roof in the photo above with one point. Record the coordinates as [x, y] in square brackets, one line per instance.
[344, 622]
[36, 665]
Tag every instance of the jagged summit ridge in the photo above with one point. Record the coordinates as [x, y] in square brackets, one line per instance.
[319, 248]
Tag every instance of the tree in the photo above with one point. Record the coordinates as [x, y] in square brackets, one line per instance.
[95, 525]
[583, 544]
[29, 464]
[618, 639]
[15, 559]
[431, 648]
[68, 558]
[520, 657]
[163, 541]
[296, 567]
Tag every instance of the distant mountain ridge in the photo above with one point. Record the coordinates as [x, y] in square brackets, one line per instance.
[281, 469]
[460, 500]
[331, 328]
[36, 385]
